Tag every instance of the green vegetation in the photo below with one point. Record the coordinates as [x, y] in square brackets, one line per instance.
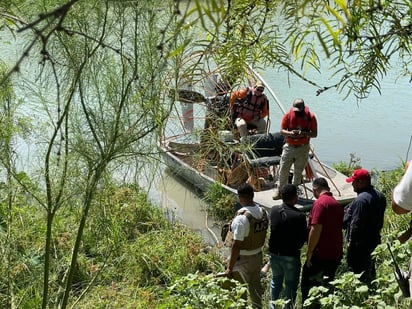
[220, 204]
[348, 168]
[132, 257]
[84, 90]
[129, 255]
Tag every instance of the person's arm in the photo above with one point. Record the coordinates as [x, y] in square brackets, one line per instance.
[234, 254]
[233, 98]
[313, 129]
[314, 235]
[404, 191]
[265, 109]
[237, 94]
[356, 226]
[284, 127]
[398, 209]
[287, 133]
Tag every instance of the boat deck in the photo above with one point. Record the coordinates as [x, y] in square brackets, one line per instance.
[203, 174]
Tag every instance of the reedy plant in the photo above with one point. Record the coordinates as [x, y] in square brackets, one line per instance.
[98, 85]
[101, 90]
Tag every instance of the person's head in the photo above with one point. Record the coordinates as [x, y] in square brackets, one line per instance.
[289, 194]
[259, 88]
[245, 194]
[360, 179]
[319, 185]
[298, 106]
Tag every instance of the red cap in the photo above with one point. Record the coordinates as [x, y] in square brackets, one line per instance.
[359, 174]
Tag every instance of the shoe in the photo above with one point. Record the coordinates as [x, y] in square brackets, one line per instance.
[277, 195]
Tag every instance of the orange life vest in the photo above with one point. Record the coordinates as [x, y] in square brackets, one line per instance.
[249, 107]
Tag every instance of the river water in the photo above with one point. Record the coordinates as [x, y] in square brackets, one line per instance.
[377, 129]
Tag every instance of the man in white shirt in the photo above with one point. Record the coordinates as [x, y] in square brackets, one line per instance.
[249, 229]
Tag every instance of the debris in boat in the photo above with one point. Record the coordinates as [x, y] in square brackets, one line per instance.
[186, 95]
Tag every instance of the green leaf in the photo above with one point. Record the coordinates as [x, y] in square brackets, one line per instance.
[362, 289]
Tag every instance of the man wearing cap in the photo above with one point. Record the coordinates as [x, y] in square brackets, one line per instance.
[298, 126]
[363, 223]
[249, 106]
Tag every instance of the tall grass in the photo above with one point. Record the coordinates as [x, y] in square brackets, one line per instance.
[132, 257]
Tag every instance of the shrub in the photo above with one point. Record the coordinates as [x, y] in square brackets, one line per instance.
[348, 168]
[220, 203]
[199, 291]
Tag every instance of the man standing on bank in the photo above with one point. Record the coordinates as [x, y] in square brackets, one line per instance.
[298, 126]
[288, 233]
[249, 229]
[325, 241]
[363, 223]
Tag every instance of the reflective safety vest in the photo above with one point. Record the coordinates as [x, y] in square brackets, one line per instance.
[257, 231]
[249, 107]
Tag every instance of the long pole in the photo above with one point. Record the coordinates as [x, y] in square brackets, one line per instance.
[258, 76]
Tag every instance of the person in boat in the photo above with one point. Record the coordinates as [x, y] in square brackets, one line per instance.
[249, 229]
[363, 223]
[325, 240]
[298, 126]
[218, 104]
[249, 106]
[288, 233]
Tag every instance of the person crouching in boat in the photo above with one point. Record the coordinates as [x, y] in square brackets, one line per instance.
[249, 106]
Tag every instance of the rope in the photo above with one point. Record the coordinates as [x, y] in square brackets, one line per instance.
[216, 239]
[324, 170]
[268, 89]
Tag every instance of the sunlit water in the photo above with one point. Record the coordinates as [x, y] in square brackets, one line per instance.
[377, 130]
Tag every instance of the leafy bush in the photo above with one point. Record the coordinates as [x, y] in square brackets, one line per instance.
[220, 203]
[132, 257]
[348, 168]
[199, 291]
[387, 180]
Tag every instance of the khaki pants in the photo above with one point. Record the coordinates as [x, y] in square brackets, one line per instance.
[296, 156]
[247, 270]
[241, 125]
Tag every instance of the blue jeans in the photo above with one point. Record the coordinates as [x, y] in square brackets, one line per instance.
[284, 268]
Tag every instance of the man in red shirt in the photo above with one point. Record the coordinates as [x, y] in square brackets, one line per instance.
[325, 241]
[298, 126]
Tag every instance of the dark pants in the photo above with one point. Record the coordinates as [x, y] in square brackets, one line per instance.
[320, 273]
[359, 260]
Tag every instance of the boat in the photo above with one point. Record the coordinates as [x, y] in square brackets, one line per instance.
[200, 145]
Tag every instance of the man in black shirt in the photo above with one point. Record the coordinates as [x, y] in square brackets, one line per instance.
[288, 233]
